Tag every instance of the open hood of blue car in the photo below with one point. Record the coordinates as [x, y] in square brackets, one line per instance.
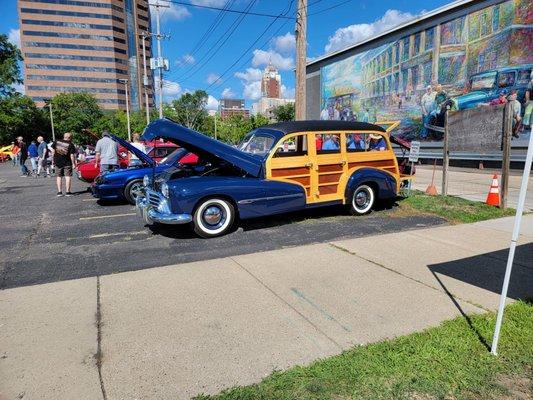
[140, 155]
[202, 145]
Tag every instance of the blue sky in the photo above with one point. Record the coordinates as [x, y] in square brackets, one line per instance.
[231, 68]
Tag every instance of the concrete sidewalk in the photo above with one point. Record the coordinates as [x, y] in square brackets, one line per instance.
[472, 184]
[177, 331]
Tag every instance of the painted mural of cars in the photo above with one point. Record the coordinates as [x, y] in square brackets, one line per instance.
[128, 182]
[486, 86]
[357, 167]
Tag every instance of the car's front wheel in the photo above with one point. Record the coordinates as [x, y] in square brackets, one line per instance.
[363, 200]
[213, 217]
[132, 190]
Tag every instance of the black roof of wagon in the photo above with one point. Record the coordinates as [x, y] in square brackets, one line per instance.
[322, 126]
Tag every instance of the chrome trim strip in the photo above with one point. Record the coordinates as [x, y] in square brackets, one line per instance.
[287, 196]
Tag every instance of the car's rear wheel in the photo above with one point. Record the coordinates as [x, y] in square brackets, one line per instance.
[363, 200]
[213, 217]
[132, 190]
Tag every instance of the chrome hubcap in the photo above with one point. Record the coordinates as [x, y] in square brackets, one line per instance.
[135, 190]
[361, 199]
[213, 216]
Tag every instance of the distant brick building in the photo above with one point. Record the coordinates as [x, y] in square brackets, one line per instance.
[271, 83]
[229, 107]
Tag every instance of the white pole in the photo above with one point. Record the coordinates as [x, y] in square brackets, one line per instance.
[52, 121]
[145, 81]
[125, 82]
[158, 36]
[514, 238]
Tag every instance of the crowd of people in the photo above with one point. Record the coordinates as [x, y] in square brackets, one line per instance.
[61, 158]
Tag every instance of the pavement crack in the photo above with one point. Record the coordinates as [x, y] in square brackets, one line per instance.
[98, 355]
[409, 277]
[256, 278]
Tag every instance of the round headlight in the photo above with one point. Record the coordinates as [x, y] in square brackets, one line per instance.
[164, 190]
[146, 180]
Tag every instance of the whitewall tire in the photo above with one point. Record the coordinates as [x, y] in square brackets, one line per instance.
[363, 200]
[213, 217]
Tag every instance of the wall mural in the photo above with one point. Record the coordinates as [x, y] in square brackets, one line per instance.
[470, 61]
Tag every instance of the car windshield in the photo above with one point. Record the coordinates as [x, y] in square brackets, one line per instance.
[485, 81]
[174, 157]
[256, 143]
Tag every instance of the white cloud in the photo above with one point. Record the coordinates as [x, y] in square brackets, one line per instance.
[187, 59]
[14, 37]
[174, 11]
[285, 44]
[171, 89]
[227, 93]
[287, 93]
[262, 57]
[251, 79]
[212, 78]
[349, 35]
[212, 103]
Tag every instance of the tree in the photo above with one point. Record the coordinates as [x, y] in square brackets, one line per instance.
[189, 110]
[284, 112]
[259, 120]
[19, 116]
[116, 122]
[10, 56]
[75, 112]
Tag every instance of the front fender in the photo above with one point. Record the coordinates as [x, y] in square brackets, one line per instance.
[384, 183]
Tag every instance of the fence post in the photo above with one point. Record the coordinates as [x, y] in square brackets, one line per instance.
[445, 157]
[506, 154]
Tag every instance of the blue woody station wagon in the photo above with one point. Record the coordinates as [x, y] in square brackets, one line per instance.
[277, 168]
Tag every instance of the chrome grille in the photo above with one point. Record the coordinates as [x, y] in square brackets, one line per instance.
[153, 198]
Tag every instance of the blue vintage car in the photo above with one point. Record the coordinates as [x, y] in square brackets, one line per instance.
[127, 183]
[486, 86]
[278, 168]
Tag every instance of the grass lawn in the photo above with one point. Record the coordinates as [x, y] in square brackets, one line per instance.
[446, 362]
[454, 209]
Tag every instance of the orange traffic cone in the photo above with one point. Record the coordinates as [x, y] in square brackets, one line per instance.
[493, 198]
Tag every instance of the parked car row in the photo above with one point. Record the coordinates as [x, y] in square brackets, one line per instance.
[276, 169]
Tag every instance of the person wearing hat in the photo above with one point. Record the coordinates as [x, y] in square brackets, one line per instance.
[427, 103]
[376, 143]
[501, 99]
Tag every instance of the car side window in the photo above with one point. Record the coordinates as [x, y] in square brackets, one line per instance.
[356, 142]
[524, 76]
[506, 79]
[292, 147]
[327, 143]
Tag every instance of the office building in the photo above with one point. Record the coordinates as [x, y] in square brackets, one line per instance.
[229, 107]
[74, 46]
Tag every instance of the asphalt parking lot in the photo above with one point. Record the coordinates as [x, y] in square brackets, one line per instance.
[47, 239]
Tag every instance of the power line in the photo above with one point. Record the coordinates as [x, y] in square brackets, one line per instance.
[330, 8]
[226, 10]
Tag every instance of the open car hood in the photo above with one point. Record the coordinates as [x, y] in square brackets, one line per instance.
[202, 145]
[140, 155]
[400, 142]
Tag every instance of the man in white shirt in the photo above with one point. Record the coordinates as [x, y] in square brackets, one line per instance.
[427, 104]
[134, 160]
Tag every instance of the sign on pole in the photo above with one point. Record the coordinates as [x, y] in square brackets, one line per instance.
[414, 152]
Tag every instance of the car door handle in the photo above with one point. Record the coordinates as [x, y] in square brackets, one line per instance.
[343, 162]
[309, 165]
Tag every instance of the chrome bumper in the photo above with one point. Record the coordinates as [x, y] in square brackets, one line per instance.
[159, 213]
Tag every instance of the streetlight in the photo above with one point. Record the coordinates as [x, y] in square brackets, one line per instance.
[144, 35]
[125, 82]
[48, 103]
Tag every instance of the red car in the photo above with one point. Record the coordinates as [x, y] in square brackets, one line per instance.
[157, 150]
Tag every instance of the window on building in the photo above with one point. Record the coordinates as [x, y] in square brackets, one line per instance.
[74, 57]
[430, 38]
[496, 18]
[70, 14]
[416, 44]
[485, 24]
[74, 46]
[452, 32]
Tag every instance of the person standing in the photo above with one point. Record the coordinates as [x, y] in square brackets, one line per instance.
[427, 103]
[34, 157]
[64, 154]
[528, 104]
[23, 156]
[516, 110]
[106, 153]
[134, 160]
[42, 150]
[15, 151]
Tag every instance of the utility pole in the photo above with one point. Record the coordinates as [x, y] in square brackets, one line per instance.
[301, 56]
[160, 62]
[52, 121]
[125, 82]
[144, 35]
